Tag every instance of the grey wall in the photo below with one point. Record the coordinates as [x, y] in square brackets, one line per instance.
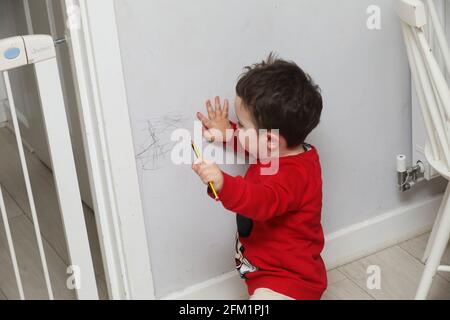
[23, 81]
[12, 23]
[178, 53]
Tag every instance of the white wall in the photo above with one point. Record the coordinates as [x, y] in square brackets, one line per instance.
[178, 53]
[4, 27]
[23, 83]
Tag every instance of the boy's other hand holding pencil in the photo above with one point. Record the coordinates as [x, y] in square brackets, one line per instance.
[209, 172]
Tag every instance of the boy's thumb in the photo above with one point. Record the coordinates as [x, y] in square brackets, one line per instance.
[208, 135]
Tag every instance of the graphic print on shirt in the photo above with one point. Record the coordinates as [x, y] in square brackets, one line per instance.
[243, 266]
[244, 225]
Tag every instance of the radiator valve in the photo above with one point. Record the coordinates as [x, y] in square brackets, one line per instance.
[408, 177]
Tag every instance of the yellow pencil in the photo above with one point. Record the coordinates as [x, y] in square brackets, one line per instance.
[211, 185]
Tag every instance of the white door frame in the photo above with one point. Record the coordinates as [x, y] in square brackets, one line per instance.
[97, 63]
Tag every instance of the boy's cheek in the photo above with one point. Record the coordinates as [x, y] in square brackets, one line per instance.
[248, 140]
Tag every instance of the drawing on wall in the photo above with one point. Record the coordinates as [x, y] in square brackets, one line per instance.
[157, 145]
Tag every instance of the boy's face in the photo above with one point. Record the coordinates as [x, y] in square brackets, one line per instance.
[245, 121]
[255, 143]
[248, 136]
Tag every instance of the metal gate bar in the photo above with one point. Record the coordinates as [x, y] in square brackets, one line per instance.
[12, 251]
[28, 185]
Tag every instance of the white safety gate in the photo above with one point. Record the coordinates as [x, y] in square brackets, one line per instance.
[39, 50]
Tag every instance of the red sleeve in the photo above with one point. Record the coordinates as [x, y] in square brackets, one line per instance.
[275, 196]
[234, 125]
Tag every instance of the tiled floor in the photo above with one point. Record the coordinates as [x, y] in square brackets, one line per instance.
[400, 268]
[19, 214]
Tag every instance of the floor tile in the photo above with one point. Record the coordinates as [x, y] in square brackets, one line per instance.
[335, 276]
[400, 275]
[416, 247]
[345, 290]
[11, 177]
[12, 209]
[30, 266]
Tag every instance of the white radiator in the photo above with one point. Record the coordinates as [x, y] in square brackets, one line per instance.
[419, 135]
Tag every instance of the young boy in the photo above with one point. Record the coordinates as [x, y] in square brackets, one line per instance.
[280, 236]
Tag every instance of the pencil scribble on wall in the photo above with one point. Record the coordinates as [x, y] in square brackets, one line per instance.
[157, 144]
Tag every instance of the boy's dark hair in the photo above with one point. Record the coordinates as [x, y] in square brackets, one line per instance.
[280, 95]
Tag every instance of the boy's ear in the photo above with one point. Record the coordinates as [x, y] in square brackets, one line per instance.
[273, 140]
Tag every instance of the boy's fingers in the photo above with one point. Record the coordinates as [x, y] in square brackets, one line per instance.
[226, 108]
[202, 117]
[211, 113]
[205, 121]
[198, 162]
[207, 170]
[203, 168]
[196, 168]
[207, 163]
[218, 107]
[205, 178]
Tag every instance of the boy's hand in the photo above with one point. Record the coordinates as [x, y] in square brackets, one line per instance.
[215, 126]
[209, 172]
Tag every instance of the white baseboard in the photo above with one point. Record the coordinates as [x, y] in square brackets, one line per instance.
[386, 230]
[225, 287]
[343, 246]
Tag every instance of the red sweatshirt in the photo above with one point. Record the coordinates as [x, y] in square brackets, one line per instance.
[280, 236]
